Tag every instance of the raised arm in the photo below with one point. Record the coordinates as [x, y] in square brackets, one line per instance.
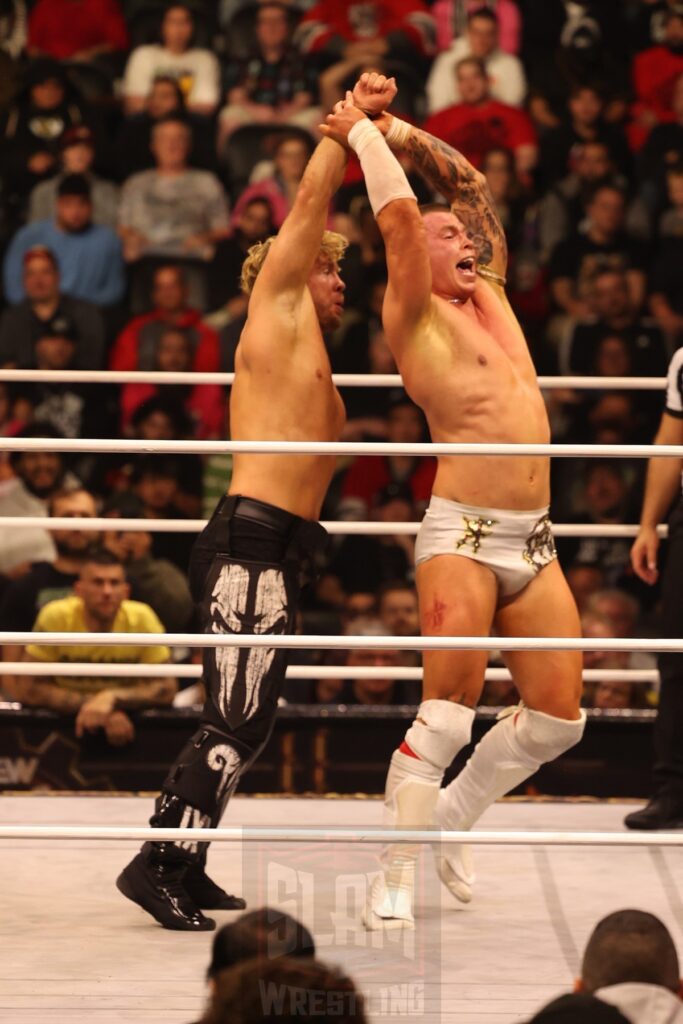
[395, 207]
[294, 251]
[447, 171]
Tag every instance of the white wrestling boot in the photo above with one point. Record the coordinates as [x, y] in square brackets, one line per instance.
[454, 864]
[516, 747]
[440, 730]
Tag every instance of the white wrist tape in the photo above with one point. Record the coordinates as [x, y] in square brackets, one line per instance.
[385, 179]
[398, 133]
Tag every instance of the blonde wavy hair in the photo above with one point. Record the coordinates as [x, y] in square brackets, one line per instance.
[332, 248]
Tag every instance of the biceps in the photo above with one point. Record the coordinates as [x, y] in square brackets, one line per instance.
[670, 430]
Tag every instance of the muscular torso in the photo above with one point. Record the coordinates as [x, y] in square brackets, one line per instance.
[470, 370]
[283, 391]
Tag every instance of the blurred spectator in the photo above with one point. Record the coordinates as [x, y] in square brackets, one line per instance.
[578, 1008]
[584, 581]
[500, 171]
[44, 109]
[616, 694]
[612, 314]
[49, 580]
[663, 149]
[598, 627]
[76, 30]
[156, 482]
[290, 156]
[620, 608]
[45, 310]
[272, 84]
[72, 410]
[451, 18]
[479, 123]
[655, 72]
[134, 144]
[584, 122]
[37, 476]
[77, 156]
[173, 210]
[630, 962]
[253, 224]
[507, 81]
[136, 346]
[388, 690]
[369, 475]
[605, 500]
[563, 207]
[397, 609]
[399, 31]
[666, 294]
[88, 255]
[671, 221]
[13, 20]
[156, 581]
[363, 563]
[266, 933]
[239, 993]
[100, 604]
[196, 69]
[565, 44]
[603, 243]
[204, 404]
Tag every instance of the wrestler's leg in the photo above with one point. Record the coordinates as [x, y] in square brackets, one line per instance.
[457, 597]
[551, 720]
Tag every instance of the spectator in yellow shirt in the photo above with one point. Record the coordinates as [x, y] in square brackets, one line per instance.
[100, 605]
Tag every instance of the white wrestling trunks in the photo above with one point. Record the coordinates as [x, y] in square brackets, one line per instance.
[514, 545]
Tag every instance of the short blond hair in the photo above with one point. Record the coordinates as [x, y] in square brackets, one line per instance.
[332, 248]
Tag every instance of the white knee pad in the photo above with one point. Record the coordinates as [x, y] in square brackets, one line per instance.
[440, 730]
[543, 737]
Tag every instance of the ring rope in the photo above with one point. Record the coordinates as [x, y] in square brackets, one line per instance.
[341, 835]
[375, 643]
[127, 670]
[333, 527]
[584, 451]
[355, 380]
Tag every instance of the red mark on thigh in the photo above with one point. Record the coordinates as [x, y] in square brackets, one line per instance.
[434, 617]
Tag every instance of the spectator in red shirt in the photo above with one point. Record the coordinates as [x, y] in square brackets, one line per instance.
[203, 404]
[336, 30]
[76, 30]
[479, 123]
[136, 346]
[655, 72]
[369, 474]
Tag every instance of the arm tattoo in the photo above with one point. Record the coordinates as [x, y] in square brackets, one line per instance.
[147, 693]
[451, 174]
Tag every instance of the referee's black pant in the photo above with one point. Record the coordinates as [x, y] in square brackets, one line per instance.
[668, 734]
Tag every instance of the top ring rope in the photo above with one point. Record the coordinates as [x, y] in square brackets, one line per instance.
[334, 527]
[587, 451]
[351, 380]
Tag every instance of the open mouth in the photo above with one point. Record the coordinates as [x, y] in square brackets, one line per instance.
[466, 266]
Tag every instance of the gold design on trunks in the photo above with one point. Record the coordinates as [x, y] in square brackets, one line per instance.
[475, 531]
[540, 546]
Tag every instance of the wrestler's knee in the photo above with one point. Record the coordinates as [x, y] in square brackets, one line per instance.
[543, 737]
[440, 730]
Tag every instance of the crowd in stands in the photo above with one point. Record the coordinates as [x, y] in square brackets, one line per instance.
[146, 145]
[265, 965]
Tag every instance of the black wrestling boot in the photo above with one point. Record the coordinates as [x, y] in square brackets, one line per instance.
[158, 888]
[664, 811]
[206, 894]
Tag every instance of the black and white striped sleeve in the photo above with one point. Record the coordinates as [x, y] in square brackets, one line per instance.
[674, 385]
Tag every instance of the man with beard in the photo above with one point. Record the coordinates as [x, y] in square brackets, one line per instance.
[49, 580]
[38, 475]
